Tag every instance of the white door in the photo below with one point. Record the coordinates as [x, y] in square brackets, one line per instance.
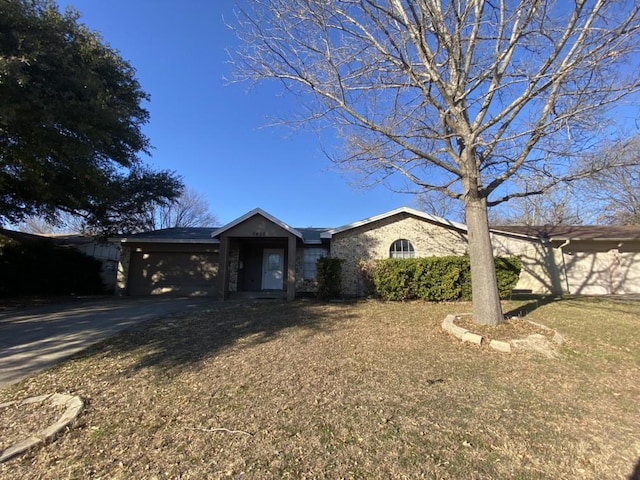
[272, 268]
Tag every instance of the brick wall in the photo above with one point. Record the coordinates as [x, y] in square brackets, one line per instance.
[373, 241]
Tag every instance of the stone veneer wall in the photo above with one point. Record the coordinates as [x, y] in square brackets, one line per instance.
[234, 267]
[373, 241]
[305, 286]
[302, 285]
[123, 270]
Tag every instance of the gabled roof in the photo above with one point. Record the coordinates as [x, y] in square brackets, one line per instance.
[315, 236]
[574, 232]
[174, 235]
[397, 211]
[252, 213]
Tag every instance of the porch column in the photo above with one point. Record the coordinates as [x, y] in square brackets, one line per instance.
[122, 274]
[291, 269]
[224, 268]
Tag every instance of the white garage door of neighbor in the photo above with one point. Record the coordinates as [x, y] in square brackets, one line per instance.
[603, 273]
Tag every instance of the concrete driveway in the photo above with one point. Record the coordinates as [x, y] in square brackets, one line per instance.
[32, 339]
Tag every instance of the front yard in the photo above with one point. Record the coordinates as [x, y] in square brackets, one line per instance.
[361, 390]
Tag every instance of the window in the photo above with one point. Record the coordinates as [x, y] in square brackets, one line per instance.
[402, 249]
[311, 256]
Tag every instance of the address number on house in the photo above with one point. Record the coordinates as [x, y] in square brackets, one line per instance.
[259, 234]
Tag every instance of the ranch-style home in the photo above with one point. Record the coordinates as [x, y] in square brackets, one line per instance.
[258, 255]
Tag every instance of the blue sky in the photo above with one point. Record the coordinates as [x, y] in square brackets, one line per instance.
[213, 134]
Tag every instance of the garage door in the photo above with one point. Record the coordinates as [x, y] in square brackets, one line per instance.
[603, 273]
[172, 273]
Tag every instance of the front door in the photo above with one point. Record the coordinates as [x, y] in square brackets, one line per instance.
[272, 269]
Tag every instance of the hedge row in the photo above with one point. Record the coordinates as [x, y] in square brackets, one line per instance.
[435, 279]
[41, 268]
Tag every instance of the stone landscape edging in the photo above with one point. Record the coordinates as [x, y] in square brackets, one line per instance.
[465, 335]
[74, 406]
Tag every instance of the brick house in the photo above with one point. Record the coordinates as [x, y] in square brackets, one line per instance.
[258, 255]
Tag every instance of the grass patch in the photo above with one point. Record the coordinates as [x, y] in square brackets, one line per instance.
[362, 390]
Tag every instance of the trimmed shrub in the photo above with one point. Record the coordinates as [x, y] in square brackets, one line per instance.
[329, 277]
[436, 279]
[393, 279]
[439, 279]
[508, 272]
[366, 268]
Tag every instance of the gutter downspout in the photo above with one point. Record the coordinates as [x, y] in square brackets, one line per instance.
[564, 265]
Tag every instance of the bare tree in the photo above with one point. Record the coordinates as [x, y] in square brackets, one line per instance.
[191, 209]
[616, 192]
[619, 194]
[37, 226]
[440, 205]
[60, 223]
[459, 97]
[556, 206]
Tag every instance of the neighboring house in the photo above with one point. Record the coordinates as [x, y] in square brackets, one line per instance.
[107, 252]
[588, 260]
[258, 255]
[18, 237]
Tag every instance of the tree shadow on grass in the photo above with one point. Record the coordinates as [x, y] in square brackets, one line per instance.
[533, 303]
[613, 303]
[178, 341]
[601, 302]
[635, 475]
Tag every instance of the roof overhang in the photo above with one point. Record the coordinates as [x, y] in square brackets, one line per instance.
[587, 239]
[209, 241]
[523, 236]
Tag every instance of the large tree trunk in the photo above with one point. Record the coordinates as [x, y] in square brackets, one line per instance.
[486, 300]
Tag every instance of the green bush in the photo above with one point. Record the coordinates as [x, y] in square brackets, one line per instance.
[436, 279]
[366, 268]
[41, 268]
[439, 279]
[393, 279]
[329, 277]
[508, 272]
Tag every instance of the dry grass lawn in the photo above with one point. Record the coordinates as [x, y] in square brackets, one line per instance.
[347, 390]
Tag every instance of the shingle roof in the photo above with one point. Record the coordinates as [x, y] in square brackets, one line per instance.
[22, 236]
[312, 235]
[175, 235]
[71, 239]
[315, 236]
[574, 232]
